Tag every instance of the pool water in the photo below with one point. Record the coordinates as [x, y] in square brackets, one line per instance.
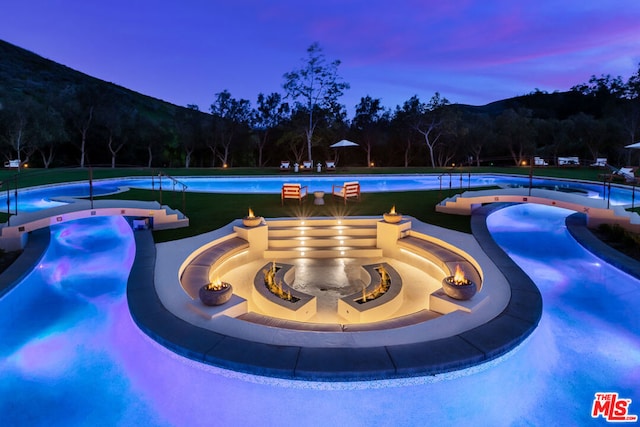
[37, 198]
[70, 353]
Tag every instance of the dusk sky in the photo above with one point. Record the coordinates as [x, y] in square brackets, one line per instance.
[471, 51]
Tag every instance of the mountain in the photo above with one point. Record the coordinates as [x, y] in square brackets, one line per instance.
[24, 74]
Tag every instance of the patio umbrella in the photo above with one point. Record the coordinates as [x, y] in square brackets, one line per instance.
[634, 146]
[341, 144]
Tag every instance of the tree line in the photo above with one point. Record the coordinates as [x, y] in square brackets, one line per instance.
[51, 116]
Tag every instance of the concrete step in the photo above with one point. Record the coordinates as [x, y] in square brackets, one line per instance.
[344, 252]
[321, 242]
[323, 222]
[330, 231]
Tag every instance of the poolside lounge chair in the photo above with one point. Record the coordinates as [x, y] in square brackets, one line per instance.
[293, 191]
[628, 173]
[330, 165]
[285, 165]
[568, 161]
[349, 190]
[307, 166]
[539, 161]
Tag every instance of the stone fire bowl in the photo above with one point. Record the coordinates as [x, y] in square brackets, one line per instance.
[459, 292]
[212, 297]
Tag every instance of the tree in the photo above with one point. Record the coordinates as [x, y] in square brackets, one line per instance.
[631, 115]
[17, 119]
[50, 131]
[480, 134]
[189, 129]
[83, 101]
[315, 87]
[403, 121]
[517, 133]
[431, 122]
[117, 124]
[269, 114]
[230, 116]
[366, 123]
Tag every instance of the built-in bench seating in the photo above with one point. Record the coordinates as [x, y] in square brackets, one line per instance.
[441, 256]
[276, 322]
[398, 322]
[196, 273]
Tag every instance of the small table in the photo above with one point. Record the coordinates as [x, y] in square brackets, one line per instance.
[319, 197]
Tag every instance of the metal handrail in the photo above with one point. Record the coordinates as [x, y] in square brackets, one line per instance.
[174, 182]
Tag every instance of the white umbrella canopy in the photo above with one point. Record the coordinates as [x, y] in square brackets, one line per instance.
[344, 143]
[635, 145]
[341, 144]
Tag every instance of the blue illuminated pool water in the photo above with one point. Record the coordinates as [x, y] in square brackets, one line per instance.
[71, 355]
[45, 197]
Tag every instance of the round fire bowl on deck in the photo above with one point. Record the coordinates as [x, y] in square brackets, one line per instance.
[463, 291]
[213, 297]
[251, 221]
[392, 218]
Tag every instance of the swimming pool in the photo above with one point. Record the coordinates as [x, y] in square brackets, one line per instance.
[71, 355]
[36, 198]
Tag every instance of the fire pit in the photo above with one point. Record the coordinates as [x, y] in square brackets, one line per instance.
[215, 293]
[392, 216]
[458, 286]
[251, 220]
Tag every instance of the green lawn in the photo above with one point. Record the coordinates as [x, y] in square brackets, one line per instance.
[207, 211]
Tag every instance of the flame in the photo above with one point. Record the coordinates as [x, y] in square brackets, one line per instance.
[217, 285]
[393, 210]
[458, 277]
[251, 215]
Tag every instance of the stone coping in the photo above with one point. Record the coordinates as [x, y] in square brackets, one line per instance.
[577, 226]
[37, 244]
[480, 344]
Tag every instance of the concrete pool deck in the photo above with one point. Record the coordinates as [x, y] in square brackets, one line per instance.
[382, 353]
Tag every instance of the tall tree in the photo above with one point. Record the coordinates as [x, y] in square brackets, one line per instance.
[83, 102]
[16, 122]
[479, 136]
[315, 87]
[270, 113]
[230, 116]
[517, 133]
[366, 123]
[432, 122]
[189, 128]
[50, 131]
[403, 122]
